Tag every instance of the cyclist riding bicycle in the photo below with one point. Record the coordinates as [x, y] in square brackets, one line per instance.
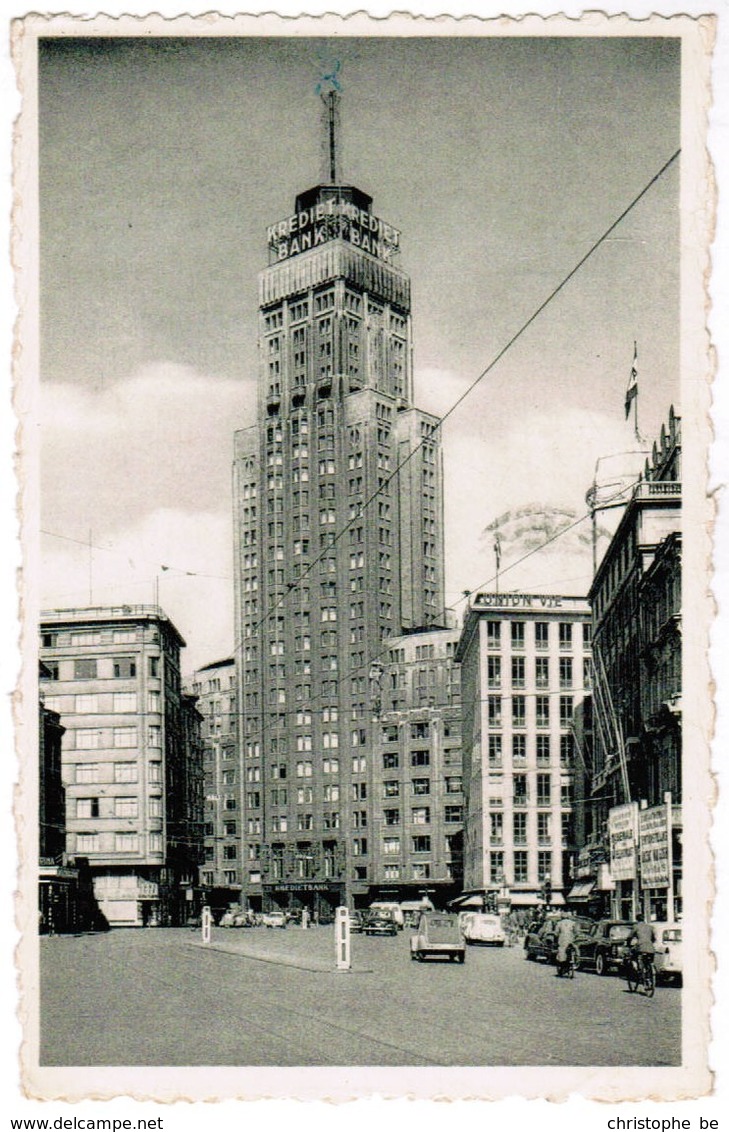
[642, 942]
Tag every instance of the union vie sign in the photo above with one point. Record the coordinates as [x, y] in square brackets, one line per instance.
[519, 601]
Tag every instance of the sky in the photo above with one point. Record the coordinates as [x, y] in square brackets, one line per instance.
[501, 161]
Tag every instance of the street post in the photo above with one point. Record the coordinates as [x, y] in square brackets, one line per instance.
[342, 939]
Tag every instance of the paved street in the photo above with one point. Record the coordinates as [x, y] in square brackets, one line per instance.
[262, 997]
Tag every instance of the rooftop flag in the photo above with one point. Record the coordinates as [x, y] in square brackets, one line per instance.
[632, 391]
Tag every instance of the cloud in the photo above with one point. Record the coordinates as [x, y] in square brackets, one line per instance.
[436, 390]
[161, 438]
[503, 462]
[181, 558]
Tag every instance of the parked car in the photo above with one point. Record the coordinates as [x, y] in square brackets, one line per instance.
[389, 908]
[380, 925]
[603, 945]
[274, 919]
[438, 933]
[411, 910]
[482, 927]
[540, 941]
[668, 957]
[356, 922]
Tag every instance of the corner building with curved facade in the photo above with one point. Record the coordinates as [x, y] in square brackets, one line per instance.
[336, 550]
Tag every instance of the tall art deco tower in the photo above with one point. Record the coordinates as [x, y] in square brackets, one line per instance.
[338, 539]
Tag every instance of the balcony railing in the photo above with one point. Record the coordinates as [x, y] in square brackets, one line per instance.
[652, 489]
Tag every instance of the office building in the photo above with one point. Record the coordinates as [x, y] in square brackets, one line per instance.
[132, 768]
[338, 501]
[636, 602]
[221, 872]
[415, 783]
[525, 669]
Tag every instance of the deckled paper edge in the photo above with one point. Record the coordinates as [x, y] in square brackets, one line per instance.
[167, 1084]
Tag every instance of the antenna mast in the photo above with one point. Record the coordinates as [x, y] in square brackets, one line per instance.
[328, 89]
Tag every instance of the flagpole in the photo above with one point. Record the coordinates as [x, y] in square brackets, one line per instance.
[91, 567]
[631, 394]
[637, 430]
[635, 398]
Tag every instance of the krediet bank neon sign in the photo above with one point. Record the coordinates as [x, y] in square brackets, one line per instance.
[331, 220]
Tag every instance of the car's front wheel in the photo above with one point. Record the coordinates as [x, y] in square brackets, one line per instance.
[600, 964]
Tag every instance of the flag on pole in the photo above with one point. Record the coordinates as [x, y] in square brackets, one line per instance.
[632, 391]
[497, 551]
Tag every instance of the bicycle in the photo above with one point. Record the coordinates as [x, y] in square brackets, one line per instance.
[640, 973]
[566, 969]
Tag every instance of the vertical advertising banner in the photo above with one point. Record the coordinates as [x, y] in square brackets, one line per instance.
[654, 827]
[623, 828]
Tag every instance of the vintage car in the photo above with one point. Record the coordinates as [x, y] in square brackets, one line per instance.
[273, 919]
[541, 940]
[603, 945]
[438, 933]
[668, 958]
[379, 925]
[356, 921]
[389, 908]
[482, 928]
[411, 910]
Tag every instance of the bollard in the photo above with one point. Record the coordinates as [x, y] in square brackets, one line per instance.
[341, 938]
[304, 918]
[206, 921]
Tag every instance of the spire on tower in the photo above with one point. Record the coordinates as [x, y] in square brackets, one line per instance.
[328, 89]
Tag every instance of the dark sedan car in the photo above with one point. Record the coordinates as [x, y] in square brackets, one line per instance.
[541, 939]
[356, 922]
[380, 925]
[602, 947]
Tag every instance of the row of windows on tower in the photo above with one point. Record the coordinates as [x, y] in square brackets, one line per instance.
[543, 666]
[531, 789]
[542, 706]
[305, 795]
[521, 866]
[542, 634]
[323, 300]
[324, 372]
[92, 668]
[298, 423]
[330, 765]
[521, 747]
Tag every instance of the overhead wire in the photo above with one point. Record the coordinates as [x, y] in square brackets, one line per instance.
[462, 397]
[297, 583]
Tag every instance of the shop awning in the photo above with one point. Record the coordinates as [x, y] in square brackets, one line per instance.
[532, 899]
[468, 900]
[581, 891]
